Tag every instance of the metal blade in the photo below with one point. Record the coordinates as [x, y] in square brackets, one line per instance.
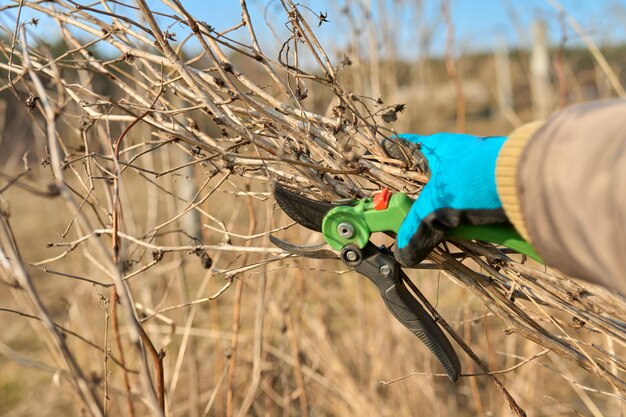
[305, 211]
[321, 251]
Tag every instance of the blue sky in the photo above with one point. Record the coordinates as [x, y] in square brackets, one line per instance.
[477, 22]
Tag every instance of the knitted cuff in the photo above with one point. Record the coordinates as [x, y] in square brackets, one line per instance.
[506, 174]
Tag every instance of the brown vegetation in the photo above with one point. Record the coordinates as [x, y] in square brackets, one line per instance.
[135, 247]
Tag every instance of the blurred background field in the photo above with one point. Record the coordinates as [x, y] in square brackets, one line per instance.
[308, 337]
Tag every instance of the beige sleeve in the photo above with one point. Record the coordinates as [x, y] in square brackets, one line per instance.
[563, 185]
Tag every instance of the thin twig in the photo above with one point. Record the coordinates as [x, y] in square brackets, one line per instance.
[471, 375]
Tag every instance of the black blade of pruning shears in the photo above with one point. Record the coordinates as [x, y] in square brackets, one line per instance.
[376, 263]
[304, 211]
[322, 251]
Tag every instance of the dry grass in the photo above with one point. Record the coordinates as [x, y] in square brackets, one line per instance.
[158, 192]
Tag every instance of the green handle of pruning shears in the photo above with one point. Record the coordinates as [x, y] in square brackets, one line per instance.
[355, 223]
[501, 234]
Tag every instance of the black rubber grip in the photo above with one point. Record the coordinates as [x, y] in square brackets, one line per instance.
[384, 271]
[414, 317]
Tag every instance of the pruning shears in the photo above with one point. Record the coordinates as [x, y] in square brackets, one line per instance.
[347, 227]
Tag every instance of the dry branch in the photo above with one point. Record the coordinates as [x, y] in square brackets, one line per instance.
[238, 119]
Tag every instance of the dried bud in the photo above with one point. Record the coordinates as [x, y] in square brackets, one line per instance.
[205, 259]
[391, 115]
[157, 255]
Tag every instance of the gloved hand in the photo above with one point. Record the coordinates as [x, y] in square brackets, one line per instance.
[461, 189]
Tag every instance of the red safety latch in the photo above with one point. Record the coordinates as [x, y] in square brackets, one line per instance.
[381, 200]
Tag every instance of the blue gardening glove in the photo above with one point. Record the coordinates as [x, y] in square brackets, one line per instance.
[461, 190]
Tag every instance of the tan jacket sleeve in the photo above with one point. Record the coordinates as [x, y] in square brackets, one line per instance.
[563, 185]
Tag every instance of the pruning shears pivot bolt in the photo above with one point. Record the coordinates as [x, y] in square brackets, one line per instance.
[345, 230]
[385, 270]
[351, 255]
